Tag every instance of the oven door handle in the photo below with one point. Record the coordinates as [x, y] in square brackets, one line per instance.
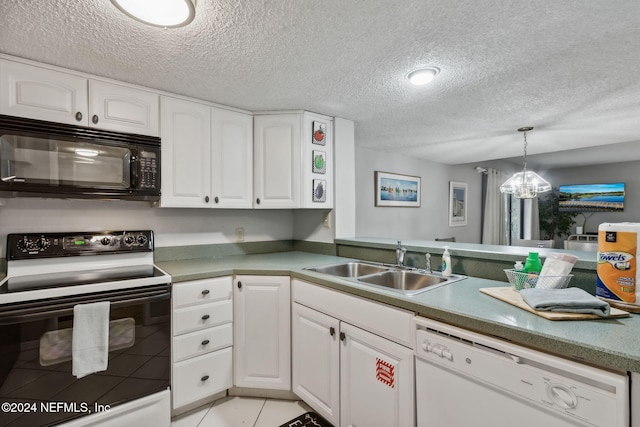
[64, 308]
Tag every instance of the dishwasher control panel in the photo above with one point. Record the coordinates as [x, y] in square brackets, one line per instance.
[578, 392]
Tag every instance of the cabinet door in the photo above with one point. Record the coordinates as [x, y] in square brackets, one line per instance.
[42, 94]
[315, 359]
[231, 159]
[277, 161]
[376, 380]
[186, 152]
[262, 332]
[123, 109]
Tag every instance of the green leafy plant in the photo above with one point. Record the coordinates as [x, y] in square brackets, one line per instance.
[554, 223]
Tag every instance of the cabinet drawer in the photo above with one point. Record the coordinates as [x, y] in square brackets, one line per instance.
[202, 376]
[383, 320]
[202, 291]
[201, 342]
[198, 317]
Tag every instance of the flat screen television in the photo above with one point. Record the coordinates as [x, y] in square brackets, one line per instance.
[592, 197]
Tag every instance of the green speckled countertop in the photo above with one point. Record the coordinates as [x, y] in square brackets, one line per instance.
[613, 344]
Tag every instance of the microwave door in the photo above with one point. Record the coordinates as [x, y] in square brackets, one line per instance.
[55, 163]
[95, 166]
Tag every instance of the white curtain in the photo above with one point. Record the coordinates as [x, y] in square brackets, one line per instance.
[531, 220]
[494, 227]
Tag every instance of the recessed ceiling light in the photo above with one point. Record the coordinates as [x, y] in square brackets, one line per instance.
[160, 13]
[423, 76]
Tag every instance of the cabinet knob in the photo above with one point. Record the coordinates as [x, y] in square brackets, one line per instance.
[343, 336]
[78, 116]
[205, 292]
[206, 199]
[205, 342]
[94, 119]
[215, 199]
[206, 377]
[239, 285]
[205, 317]
[258, 201]
[332, 331]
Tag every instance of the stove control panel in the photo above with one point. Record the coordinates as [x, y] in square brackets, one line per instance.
[51, 245]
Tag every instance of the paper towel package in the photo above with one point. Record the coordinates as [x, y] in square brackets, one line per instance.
[618, 271]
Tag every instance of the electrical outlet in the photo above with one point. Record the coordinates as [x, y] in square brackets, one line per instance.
[239, 234]
[327, 220]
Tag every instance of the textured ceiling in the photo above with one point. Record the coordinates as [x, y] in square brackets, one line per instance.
[569, 68]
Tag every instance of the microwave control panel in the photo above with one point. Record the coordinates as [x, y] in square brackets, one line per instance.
[148, 170]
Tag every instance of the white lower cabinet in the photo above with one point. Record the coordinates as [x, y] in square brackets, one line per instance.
[315, 357]
[262, 332]
[202, 329]
[349, 375]
[199, 377]
[376, 380]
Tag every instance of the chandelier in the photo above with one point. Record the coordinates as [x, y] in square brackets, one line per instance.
[526, 184]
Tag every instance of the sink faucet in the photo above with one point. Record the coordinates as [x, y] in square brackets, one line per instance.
[427, 259]
[400, 252]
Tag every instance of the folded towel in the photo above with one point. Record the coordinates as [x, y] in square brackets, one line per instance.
[569, 300]
[90, 339]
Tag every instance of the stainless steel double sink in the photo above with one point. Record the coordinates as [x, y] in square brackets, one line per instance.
[408, 281]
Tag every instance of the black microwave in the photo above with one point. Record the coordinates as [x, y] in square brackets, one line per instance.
[46, 159]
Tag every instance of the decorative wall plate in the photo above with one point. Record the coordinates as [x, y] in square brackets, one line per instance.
[319, 190]
[319, 162]
[319, 133]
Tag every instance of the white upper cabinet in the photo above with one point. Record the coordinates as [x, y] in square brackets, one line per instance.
[293, 161]
[123, 109]
[231, 159]
[207, 156]
[42, 94]
[276, 161]
[45, 94]
[186, 153]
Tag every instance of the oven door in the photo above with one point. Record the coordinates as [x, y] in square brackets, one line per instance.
[36, 384]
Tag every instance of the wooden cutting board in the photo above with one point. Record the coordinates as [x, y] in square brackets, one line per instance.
[513, 297]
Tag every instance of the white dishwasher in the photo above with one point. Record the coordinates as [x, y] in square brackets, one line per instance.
[465, 379]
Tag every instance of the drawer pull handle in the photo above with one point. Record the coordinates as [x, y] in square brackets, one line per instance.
[205, 317]
[205, 342]
[206, 377]
[205, 292]
[332, 331]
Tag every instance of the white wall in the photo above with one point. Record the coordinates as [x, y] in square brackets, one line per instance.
[171, 226]
[430, 220]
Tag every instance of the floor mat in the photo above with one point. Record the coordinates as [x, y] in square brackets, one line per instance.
[310, 419]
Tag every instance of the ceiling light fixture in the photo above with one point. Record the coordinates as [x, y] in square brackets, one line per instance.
[423, 76]
[159, 13]
[525, 184]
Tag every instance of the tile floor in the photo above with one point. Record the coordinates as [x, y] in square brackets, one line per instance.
[242, 412]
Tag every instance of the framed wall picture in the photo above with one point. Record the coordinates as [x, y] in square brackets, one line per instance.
[397, 190]
[457, 204]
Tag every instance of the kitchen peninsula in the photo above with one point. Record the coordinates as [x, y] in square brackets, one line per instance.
[610, 344]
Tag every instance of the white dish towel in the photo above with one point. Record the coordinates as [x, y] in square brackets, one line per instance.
[90, 342]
